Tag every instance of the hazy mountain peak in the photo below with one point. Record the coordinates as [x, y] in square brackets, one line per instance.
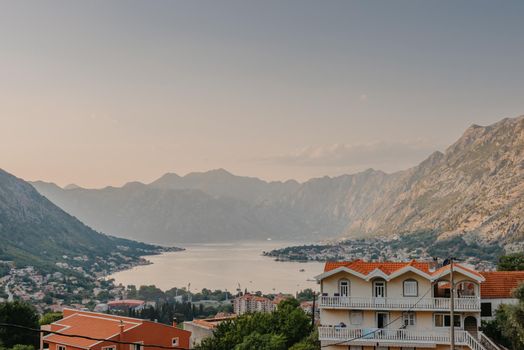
[72, 187]
[475, 187]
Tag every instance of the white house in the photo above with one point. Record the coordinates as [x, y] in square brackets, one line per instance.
[398, 306]
[498, 289]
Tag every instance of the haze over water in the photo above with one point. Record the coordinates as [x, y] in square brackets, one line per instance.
[224, 266]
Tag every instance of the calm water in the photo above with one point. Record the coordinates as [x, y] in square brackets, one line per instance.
[224, 266]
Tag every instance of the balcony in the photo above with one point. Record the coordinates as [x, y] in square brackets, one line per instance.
[428, 304]
[395, 337]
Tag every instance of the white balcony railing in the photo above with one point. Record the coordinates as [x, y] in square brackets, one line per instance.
[438, 304]
[396, 336]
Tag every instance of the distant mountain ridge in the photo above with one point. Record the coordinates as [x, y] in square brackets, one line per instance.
[34, 231]
[475, 188]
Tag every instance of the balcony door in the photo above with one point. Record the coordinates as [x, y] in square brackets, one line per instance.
[379, 289]
[382, 319]
[343, 288]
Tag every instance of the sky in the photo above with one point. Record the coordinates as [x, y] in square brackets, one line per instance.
[100, 93]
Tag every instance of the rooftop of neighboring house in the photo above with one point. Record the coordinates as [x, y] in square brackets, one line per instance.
[392, 268]
[92, 324]
[131, 302]
[88, 324]
[211, 323]
[500, 284]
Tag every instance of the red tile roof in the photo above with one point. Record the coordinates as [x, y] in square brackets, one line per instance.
[500, 284]
[388, 267]
[211, 323]
[83, 324]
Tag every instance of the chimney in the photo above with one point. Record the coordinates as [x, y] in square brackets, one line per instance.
[433, 265]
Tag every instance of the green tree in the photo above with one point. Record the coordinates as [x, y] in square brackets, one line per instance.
[150, 293]
[23, 347]
[285, 327]
[22, 314]
[257, 341]
[50, 317]
[511, 262]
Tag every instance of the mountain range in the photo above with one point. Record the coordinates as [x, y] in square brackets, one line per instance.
[474, 188]
[34, 231]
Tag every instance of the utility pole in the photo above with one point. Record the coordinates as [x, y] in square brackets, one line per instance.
[452, 306]
[313, 311]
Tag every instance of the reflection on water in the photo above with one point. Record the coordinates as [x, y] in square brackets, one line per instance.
[224, 266]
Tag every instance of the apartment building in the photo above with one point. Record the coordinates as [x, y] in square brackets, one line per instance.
[252, 303]
[399, 306]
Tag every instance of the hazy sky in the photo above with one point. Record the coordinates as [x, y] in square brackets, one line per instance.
[104, 92]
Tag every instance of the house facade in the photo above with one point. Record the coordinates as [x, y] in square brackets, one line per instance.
[110, 327]
[398, 306]
[203, 328]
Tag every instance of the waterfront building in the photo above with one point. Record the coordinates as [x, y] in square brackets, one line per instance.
[111, 327]
[399, 306]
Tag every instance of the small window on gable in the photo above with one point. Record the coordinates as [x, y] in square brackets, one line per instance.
[109, 347]
[410, 288]
[60, 347]
[175, 342]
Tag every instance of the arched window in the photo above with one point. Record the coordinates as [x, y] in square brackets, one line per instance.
[410, 288]
[344, 288]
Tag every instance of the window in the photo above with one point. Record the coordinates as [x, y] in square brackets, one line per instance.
[486, 310]
[382, 319]
[379, 289]
[356, 317]
[60, 347]
[343, 288]
[410, 288]
[136, 346]
[109, 347]
[355, 347]
[408, 319]
[174, 341]
[444, 320]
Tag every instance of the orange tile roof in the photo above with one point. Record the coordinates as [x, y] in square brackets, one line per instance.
[365, 267]
[211, 323]
[388, 267]
[500, 284]
[96, 326]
